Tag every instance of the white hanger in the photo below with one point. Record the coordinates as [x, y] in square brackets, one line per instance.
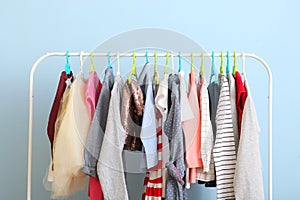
[118, 62]
[243, 66]
[172, 59]
[81, 61]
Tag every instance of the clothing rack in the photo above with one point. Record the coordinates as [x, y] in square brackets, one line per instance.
[84, 54]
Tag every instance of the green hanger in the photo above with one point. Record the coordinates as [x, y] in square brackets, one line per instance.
[234, 64]
[192, 62]
[167, 64]
[222, 67]
[202, 64]
[133, 68]
[92, 67]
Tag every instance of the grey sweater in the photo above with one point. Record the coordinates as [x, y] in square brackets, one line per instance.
[97, 128]
[248, 182]
[110, 165]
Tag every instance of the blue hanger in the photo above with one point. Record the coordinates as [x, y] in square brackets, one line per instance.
[147, 58]
[180, 65]
[213, 69]
[67, 65]
[108, 60]
[227, 66]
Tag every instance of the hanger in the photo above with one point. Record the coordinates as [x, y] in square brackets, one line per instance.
[192, 62]
[108, 60]
[234, 64]
[172, 60]
[92, 66]
[118, 62]
[133, 68]
[67, 65]
[147, 57]
[222, 64]
[227, 65]
[167, 64]
[202, 64]
[81, 61]
[243, 65]
[156, 69]
[179, 59]
[213, 69]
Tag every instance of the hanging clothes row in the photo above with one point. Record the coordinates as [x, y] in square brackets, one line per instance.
[208, 133]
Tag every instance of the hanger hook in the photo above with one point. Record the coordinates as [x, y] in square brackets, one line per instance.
[92, 67]
[134, 63]
[179, 57]
[133, 67]
[172, 60]
[202, 64]
[227, 65]
[108, 60]
[243, 65]
[222, 63]
[155, 62]
[67, 65]
[192, 61]
[147, 57]
[81, 60]
[167, 63]
[234, 63]
[118, 62]
[213, 70]
[67, 57]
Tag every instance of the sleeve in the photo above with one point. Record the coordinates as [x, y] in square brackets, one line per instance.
[148, 132]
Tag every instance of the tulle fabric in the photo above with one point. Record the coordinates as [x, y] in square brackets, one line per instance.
[69, 143]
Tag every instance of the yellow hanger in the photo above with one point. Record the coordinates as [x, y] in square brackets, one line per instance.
[167, 63]
[133, 67]
[155, 62]
[92, 67]
[202, 64]
[156, 69]
[192, 61]
[234, 64]
[222, 67]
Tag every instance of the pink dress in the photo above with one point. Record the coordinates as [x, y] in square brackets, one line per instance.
[92, 92]
[192, 132]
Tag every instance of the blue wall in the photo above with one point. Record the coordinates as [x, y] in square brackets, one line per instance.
[31, 28]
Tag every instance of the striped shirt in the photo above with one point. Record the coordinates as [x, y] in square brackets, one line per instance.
[224, 150]
[153, 180]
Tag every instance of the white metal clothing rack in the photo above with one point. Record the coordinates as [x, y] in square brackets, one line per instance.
[81, 54]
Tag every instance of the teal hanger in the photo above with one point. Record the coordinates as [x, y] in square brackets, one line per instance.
[108, 60]
[180, 65]
[213, 69]
[147, 57]
[67, 65]
[227, 65]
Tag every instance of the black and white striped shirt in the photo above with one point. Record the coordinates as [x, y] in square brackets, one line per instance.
[224, 150]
